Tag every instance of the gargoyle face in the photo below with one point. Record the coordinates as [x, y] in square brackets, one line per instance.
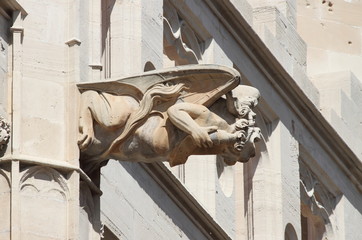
[237, 153]
[4, 132]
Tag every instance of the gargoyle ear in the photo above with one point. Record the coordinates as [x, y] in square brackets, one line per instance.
[230, 103]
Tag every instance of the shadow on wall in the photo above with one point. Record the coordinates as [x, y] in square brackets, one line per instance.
[262, 155]
[161, 199]
[4, 32]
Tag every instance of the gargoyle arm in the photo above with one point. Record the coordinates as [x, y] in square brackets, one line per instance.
[182, 115]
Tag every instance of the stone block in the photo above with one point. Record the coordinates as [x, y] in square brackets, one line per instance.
[334, 82]
[345, 62]
[284, 33]
[346, 12]
[150, 210]
[245, 9]
[351, 230]
[348, 135]
[321, 61]
[305, 83]
[317, 61]
[332, 36]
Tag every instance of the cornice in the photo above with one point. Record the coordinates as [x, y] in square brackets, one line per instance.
[73, 41]
[12, 5]
[288, 89]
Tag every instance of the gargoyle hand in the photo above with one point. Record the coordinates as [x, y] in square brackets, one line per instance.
[85, 138]
[201, 136]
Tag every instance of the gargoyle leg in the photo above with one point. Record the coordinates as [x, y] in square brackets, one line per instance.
[107, 110]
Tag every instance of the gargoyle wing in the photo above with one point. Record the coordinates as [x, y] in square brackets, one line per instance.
[204, 83]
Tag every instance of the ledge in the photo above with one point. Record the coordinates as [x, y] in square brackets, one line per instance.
[17, 30]
[96, 66]
[40, 161]
[53, 164]
[12, 5]
[73, 41]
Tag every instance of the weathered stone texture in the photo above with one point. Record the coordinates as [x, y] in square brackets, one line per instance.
[148, 212]
[303, 56]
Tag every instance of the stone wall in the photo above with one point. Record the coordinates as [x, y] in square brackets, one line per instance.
[303, 56]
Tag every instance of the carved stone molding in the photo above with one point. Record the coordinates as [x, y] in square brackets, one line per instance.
[43, 203]
[4, 132]
[44, 180]
[180, 41]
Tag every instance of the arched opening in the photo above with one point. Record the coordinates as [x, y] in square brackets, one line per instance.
[313, 226]
[290, 233]
[148, 67]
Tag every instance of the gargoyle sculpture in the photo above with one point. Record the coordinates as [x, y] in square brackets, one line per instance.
[4, 133]
[168, 115]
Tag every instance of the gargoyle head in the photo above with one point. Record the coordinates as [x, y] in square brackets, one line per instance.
[4, 132]
[244, 148]
[241, 107]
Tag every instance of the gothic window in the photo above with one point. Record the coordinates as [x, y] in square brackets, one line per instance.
[317, 206]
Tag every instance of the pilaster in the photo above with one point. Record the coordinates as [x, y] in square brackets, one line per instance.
[16, 95]
[95, 16]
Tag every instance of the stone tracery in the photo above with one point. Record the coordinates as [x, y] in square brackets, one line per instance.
[318, 204]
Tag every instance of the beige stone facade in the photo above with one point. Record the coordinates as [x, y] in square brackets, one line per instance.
[304, 57]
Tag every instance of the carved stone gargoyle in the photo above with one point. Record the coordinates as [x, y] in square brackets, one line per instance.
[4, 133]
[168, 115]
